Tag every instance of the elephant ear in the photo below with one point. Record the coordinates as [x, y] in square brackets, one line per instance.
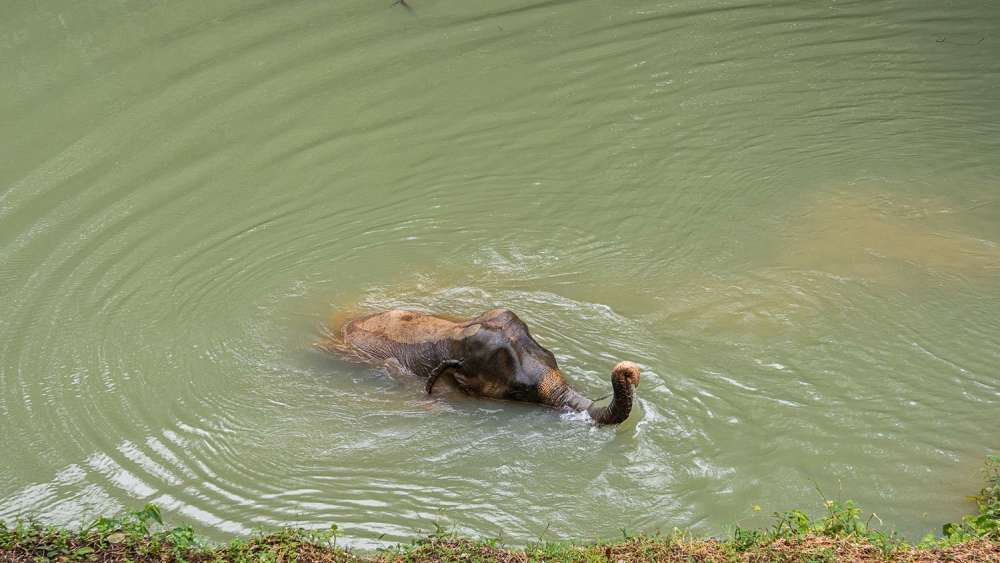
[502, 362]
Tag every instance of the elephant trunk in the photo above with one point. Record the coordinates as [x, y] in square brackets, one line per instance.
[623, 378]
[565, 396]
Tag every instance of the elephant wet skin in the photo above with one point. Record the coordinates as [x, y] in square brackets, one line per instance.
[492, 355]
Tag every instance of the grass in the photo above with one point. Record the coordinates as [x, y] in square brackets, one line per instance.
[842, 533]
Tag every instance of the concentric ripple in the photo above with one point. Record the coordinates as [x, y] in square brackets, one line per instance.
[785, 213]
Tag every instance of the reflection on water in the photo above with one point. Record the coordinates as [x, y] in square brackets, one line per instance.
[189, 190]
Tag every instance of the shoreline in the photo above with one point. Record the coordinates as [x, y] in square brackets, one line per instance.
[843, 533]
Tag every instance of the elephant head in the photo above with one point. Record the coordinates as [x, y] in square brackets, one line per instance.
[498, 343]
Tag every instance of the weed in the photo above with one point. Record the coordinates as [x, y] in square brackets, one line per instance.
[985, 524]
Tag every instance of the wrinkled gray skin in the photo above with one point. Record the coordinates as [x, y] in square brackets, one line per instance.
[491, 355]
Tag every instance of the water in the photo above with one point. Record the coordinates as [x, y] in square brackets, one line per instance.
[786, 213]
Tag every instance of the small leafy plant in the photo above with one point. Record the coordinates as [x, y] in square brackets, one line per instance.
[985, 524]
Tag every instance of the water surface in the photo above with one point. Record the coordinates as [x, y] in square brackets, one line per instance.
[787, 213]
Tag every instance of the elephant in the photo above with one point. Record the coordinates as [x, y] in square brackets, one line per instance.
[491, 355]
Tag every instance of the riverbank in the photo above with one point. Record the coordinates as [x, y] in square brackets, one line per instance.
[302, 546]
[842, 533]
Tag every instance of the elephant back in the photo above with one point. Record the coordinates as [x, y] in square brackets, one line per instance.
[412, 338]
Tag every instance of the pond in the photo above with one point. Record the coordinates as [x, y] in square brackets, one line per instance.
[787, 213]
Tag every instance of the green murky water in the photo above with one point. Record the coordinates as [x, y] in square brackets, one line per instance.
[787, 212]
